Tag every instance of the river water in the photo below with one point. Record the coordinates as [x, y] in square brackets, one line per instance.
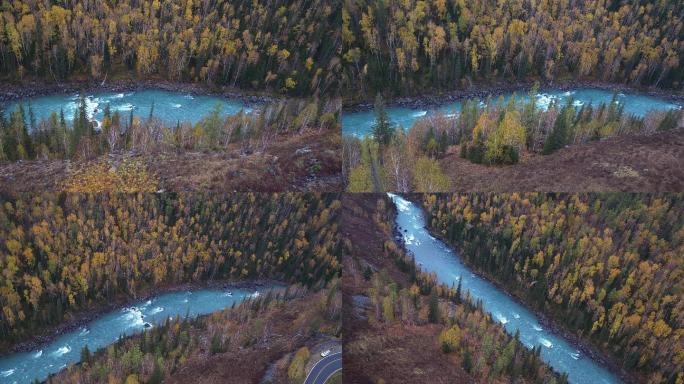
[170, 107]
[432, 255]
[360, 124]
[25, 367]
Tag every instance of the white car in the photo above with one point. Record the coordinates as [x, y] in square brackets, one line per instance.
[325, 353]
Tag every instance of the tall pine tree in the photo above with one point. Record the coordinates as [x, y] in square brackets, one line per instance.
[561, 129]
[382, 129]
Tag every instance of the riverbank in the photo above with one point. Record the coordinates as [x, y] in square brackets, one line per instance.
[436, 100]
[585, 346]
[38, 88]
[244, 356]
[305, 161]
[79, 319]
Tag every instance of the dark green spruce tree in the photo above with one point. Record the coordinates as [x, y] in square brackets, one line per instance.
[561, 129]
[382, 128]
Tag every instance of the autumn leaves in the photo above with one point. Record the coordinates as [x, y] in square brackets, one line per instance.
[65, 253]
[282, 47]
[606, 266]
[414, 47]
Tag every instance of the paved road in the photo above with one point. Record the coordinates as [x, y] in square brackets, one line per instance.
[325, 368]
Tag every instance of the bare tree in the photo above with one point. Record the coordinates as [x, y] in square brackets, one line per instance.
[396, 164]
[351, 156]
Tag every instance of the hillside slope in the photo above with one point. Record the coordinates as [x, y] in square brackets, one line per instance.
[630, 163]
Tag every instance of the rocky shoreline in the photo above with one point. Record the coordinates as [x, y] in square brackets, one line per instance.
[13, 92]
[586, 347]
[431, 101]
[80, 319]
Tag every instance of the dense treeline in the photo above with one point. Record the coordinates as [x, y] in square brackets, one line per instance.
[501, 132]
[493, 132]
[61, 253]
[182, 344]
[467, 333]
[285, 46]
[608, 266]
[22, 137]
[409, 46]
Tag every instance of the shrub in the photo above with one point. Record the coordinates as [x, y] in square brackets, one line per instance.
[475, 152]
[296, 370]
[508, 155]
[450, 339]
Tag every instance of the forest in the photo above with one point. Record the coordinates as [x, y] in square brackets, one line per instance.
[24, 138]
[413, 46]
[607, 266]
[277, 46]
[408, 310]
[495, 132]
[62, 253]
[258, 332]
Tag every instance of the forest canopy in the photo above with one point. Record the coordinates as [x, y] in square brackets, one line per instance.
[283, 46]
[408, 46]
[608, 266]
